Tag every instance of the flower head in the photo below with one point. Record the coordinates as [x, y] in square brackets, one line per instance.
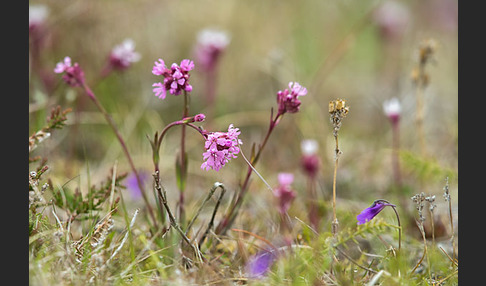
[338, 110]
[210, 45]
[288, 100]
[310, 160]
[392, 18]
[220, 148]
[73, 74]
[283, 192]
[176, 78]
[392, 109]
[259, 264]
[37, 16]
[123, 55]
[370, 212]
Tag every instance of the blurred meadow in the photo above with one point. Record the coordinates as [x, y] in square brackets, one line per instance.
[337, 50]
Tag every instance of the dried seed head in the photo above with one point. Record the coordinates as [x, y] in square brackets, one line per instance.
[427, 48]
[431, 200]
[419, 200]
[447, 196]
[338, 110]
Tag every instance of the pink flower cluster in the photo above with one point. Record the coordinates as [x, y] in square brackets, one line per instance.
[284, 192]
[73, 74]
[220, 148]
[288, 100]
[176, 79]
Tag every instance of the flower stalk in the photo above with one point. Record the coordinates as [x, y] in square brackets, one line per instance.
[288, 102]
[377, 206]
[421, 80]
[73, 75]
[310, 165]
[338, 110]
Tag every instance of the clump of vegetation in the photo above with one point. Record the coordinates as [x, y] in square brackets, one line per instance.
[146, 173]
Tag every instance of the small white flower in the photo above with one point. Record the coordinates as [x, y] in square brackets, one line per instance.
[213, 37]
[392, 107]
[37, 14]
[309, 146]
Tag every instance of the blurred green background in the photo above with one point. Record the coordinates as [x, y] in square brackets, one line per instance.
[334, 48]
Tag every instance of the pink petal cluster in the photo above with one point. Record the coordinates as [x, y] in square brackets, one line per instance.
[288, 100]
[73, 74]
[176, 79]
[123, 55]
[284, 192]
[220, 148]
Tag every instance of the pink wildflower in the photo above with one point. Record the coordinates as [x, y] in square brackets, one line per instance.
[123, 55]
[284, 192]
[37, 16]
[176, 79]
[288, 100]
[210, 45]
[392, 18]
[310, 160]
[392, 109]
[220, 148]
[73, 74]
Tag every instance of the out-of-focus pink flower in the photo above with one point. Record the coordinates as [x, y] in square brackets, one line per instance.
[288, 100]
[122, 56]
[310, 160]
[62, 66]
[220, 148]
[392, 18]
[283, 192]
[37, 16]
[176, 79]
[392, 109]
[210, 45]
[73, 74]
